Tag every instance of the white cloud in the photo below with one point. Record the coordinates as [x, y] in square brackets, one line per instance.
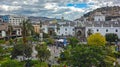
[76, 9]
[50, 5]
[9, 8]
[52, 8]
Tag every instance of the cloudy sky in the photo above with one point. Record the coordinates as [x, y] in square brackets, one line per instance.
[69, 9]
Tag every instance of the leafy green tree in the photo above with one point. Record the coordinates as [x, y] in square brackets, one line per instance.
[11, 63]
[11, 42]
[64, 55]
[96, 39]
[88, 56]
[50, 41]
[45, 35]
[27, 51]
[73, 41]
[43, 52]
[19, 49]
[1, 53]
[2, 41]
[111, 37]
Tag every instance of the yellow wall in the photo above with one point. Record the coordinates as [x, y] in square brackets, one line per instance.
[36, 28]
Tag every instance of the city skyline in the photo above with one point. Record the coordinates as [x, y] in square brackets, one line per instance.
[69, 9]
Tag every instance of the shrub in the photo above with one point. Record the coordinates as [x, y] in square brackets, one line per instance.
[42, 64]
[2, 41]
[11, 63]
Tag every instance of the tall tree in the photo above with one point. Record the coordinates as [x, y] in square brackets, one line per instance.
[43, 52]
[21, 50]
[27, 29]
[10, 30]
[88, 56]
[111, 37]
[96, 39]
[73, 41]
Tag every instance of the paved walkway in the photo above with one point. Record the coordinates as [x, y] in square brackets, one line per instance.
[34, 53]
[55, 53]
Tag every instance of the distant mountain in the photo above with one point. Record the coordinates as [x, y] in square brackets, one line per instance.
[44, 19]
[109, 12]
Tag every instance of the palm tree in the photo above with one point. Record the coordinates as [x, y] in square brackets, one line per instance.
[10, 30]
[27, 29]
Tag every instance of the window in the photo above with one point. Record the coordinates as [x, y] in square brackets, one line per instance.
[116, 22]
[65, 32]
[99, 19]
[97, 30]
[73, 29]
[106, 30]
[65, 29]
[0, 33]
[116, 30]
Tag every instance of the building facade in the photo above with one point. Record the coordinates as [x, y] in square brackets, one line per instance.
[60, 28]
[3, 30]
[101, 25]
[14, 20]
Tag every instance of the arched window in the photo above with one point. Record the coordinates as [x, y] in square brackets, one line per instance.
[97, 30]
[116, 30]
[106, 30]
[79, 33]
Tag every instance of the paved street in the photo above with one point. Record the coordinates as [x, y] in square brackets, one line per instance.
[55, 53]
[34, 53]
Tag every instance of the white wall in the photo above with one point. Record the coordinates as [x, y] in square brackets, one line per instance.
[66, 30]
[3, 33]
[19, 32]
[16, 20]
[45, 28]
[102, 30]
[99, 18]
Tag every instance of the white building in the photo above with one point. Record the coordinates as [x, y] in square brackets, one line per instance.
[103, 28]
[99, 17]
[61, 28]
[66, 30]
[45, 28]
[15, 20]
[99, 25]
